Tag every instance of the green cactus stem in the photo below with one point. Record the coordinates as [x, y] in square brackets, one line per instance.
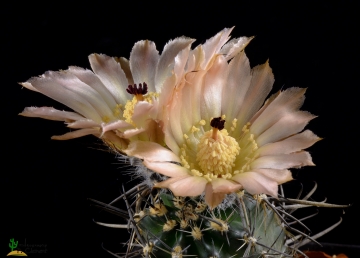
[163, 225]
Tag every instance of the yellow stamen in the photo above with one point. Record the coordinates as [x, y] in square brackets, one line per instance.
[130, 105]
[106, 119]
[217, 156]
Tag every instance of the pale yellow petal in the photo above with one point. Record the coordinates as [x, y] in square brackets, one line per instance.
[125, 66]
[214, 82]
[150, 151]
[51, 114]
[256, 183]
[76, 134]
[166, 183]
[213, 45]
[279, 175]
[188, 186]
[238, 82]
[262, 80]
[286, 126]
[294, 143]
[213, 199]
[234, 46]
[91, 79]
[286, 102]
[111, 75]
[119, 124]
[84, 123]
[169, 58]
[166, 168]
[143, 62]
[221, 185]
[284, 161]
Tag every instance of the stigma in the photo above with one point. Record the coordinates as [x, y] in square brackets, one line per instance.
[138, 91]
[217, 124]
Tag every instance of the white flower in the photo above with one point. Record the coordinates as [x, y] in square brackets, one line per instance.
[220, 136]
[103, 104]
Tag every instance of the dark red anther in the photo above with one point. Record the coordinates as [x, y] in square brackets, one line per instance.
[135, 90]
[217, 123]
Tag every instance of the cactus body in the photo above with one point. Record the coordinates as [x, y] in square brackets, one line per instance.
[184, 226]
[245, 225]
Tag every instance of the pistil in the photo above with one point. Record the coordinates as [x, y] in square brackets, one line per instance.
[217, 124]
[138, 91]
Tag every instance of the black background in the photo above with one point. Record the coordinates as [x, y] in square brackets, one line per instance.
[46, 183]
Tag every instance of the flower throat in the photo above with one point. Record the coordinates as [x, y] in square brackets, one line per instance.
[217, 151]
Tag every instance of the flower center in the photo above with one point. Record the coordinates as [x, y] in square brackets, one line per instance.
[217, 151]
[138, 92]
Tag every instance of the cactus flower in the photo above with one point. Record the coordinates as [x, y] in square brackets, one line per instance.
[220, 135]
[116, 101]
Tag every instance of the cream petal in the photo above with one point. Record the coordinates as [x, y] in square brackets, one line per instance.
[111, 75]
[76, 134]
[221, 185]
[293, 160]
[166, 97]
[174, 119]
[28, 86]
[171, 143]
[213, 45]
[286, 126]
[154, 131]
[125, 66]
[195, 84]
[214, 82]
[261, 83]
[234, 46]
[51, 114]
[294, 143]
[180, 63]
[143, 111]
[279, 175]
[119, 124]
[57, 86]
[68, 80]
[115, 141]
[264, 107]
[168, 182]
[256, 183]
[89, 78]
[189, 186]
[166, 61]
[84, 123]
[238, 82]
[196, 58]
[131, 132]
[151, 151]
[286, 102]
[186, 112]
[213, 199]
[143, 62]
[167, 168]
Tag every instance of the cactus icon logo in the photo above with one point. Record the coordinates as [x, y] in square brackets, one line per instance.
[13, 245]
